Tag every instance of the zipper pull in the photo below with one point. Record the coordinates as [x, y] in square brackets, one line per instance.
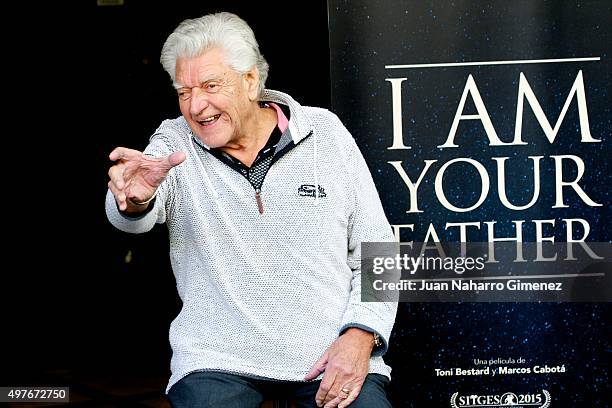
[259, 202]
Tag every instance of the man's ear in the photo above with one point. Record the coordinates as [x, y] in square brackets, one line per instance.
[252, 83]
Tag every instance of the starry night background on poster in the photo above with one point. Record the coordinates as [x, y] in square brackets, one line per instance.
[367, 35]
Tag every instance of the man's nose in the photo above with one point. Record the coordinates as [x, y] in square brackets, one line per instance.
[199, 101]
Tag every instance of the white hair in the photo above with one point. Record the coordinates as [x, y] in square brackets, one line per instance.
[224, 30]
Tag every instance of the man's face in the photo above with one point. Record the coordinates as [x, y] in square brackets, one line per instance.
[215, 100]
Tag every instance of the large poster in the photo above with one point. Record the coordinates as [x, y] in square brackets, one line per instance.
[489, 122]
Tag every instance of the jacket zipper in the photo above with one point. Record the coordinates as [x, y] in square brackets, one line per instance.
[259, 202]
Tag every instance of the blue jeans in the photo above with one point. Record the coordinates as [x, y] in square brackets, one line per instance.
[212, 389]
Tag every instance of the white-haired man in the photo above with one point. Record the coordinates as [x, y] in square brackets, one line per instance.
[267, 203]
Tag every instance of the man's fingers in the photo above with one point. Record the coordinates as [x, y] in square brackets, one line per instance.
[318, 367]
[119, 195]
[124, 153]
[351, 397]
[176, 158]
[314, 372]
[334, 403]
[324, 388]
[115, 174]
[173, 159]
[160, 166]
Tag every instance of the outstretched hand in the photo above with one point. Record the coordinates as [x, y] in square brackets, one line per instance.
[135, 177]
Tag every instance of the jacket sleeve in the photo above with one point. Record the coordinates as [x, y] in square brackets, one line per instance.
[368, 223]
[158, 147]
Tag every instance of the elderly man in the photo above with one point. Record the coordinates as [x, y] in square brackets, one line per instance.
[267, 203]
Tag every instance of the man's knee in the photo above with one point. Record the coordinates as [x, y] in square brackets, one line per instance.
[213, 389]
[373, 393]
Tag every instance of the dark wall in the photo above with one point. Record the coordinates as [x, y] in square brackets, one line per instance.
[85, 294]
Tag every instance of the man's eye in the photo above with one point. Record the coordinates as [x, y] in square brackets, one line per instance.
[184, 95]
[212, 87]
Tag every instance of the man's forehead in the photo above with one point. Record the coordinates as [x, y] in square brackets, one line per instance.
[200, 79]
[195, 71]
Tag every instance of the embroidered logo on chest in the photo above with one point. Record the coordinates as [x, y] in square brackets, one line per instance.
[308, 190]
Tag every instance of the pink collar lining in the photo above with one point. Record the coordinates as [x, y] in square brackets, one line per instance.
[283, 122]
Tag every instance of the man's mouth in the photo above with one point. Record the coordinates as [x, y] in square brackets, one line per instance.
[209, 120]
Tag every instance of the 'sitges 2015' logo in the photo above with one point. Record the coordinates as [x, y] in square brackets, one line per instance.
[507, 399]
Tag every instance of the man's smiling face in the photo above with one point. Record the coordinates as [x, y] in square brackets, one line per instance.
[214, 99]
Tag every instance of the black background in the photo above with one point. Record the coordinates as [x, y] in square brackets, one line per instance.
[89, 81]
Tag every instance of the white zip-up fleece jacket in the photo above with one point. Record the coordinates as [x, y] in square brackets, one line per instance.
[265, 295]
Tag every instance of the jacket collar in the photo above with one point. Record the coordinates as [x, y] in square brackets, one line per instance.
[300, 126]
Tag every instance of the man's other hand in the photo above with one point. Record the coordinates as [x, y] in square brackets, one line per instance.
[345, 363]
